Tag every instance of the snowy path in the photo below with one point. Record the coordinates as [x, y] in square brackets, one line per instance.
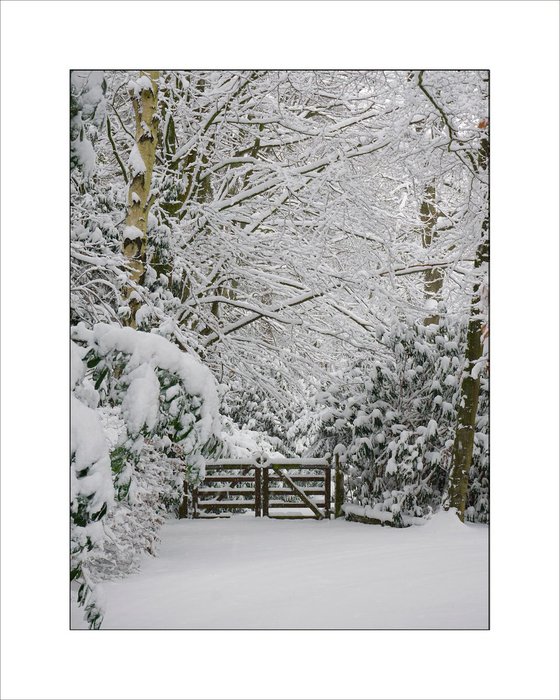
[259, 573]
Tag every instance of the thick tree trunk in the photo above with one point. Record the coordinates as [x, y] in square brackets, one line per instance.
[470, 385]
[144, 95]
[468, 405]
[468, 402]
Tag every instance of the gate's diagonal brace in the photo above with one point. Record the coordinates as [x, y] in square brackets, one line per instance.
[308, 502]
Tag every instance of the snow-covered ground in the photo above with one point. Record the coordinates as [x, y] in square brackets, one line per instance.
[255, 573]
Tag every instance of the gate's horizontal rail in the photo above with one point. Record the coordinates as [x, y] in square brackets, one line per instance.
[304, 463]
[289, 492]
[290, 516]
[227, 467]
[231, 492]
[237, 463]
[225, 504]
[291, 504]
[272, 477]
[303, 467]
[299, 477]
[233, 478]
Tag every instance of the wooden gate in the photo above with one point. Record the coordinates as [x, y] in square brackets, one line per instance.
[229, 485]
[267, 488]
[282, 488]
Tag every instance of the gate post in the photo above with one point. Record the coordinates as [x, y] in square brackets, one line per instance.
[195, 502]
[265, 494]
[258, 472]
[338, 488]
[328, 493]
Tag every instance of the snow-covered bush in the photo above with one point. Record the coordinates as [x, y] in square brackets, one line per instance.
[155, 409]
[478, 497]
[303, 435]
[392, 423]
[87, 112]
[255, 411]
[240, 443]
[91, 487]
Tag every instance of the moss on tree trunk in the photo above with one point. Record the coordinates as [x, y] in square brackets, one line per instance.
[470, 386]
[470, 389]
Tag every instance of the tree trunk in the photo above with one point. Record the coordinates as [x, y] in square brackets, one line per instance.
[470, 386]
[468, 403]
[433, 277]
[144, 97]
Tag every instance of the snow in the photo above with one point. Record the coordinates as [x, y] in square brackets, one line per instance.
[478, 367]
[431, 305]
[141, 402]
[375, 511]
[77, 367]
[136, 162]
[244, 444]
[85, 153]
[307, 461]
[432, 428]
[89, 86]
[131, 233]
[154, 350]
[256, 573]
[91, 451]
[141, 83]
[362, 420]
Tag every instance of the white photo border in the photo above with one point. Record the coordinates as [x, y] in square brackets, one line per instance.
[518, 42]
